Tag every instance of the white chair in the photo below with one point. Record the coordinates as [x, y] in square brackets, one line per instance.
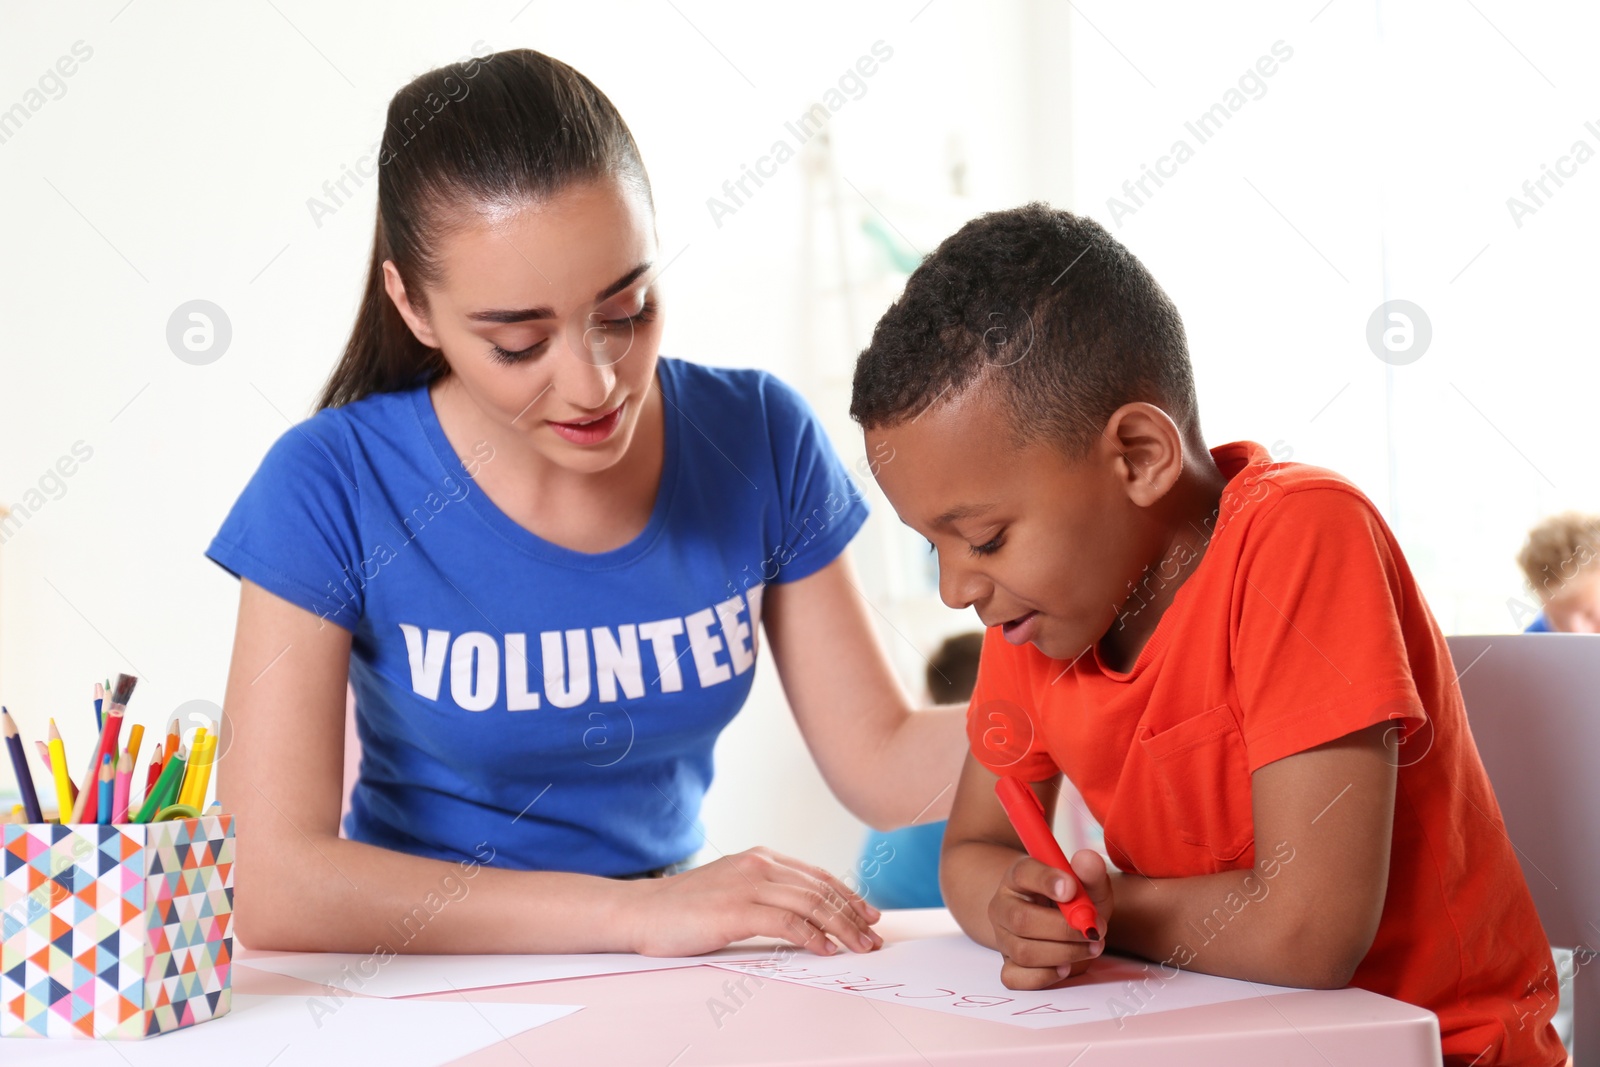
[1533, 704]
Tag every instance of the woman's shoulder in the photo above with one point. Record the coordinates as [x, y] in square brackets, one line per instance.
[375, 411]
[333, 438]
[737, 395]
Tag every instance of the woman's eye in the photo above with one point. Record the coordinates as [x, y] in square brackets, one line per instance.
[501, 355]
[646, 312]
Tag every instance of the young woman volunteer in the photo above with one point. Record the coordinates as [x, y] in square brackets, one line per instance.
[542, 556]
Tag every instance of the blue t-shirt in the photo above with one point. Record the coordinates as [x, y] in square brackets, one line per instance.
[900, 868]
[554, 709]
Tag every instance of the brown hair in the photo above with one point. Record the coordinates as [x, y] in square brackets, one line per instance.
[509, 128]
[1558, 549]
[953, 670]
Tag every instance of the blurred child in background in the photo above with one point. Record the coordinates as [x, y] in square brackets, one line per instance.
[1561, 562]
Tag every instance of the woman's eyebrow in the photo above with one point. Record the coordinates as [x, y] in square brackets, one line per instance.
[546, 312]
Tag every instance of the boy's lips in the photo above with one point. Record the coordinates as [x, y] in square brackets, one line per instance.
[1022, 629]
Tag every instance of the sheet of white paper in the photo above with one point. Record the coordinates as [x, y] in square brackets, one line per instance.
[287, 1030]
[409, 975]
[955, 974]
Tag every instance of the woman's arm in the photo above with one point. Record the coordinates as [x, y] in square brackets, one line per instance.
[299, 886]
[889, 765]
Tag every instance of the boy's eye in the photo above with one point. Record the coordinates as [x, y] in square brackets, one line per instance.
[988, 549]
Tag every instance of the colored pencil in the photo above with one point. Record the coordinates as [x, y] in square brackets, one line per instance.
[172, 743]
[170, 776]
[169, 795]
[65, 793]
[19, 763]
[115, 711]
[198, 779]
[135, 739]
[89, 792]
[99, 699]
[49, 769]
[72, 788]
[197, 751]
[110, 734]
[108, 791]
[119, 795]
[154, 772]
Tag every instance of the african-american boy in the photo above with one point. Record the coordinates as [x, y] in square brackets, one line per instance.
[1226, 654]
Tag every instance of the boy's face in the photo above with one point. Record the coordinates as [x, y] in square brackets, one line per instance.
[1576, 608]
[1042, 545]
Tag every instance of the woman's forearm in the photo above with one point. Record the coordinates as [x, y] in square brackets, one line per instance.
[335, 895]
[913, 777]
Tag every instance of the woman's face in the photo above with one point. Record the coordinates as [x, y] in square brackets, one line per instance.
[549, 319]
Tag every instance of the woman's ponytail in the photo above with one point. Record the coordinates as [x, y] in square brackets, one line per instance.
[382, 355]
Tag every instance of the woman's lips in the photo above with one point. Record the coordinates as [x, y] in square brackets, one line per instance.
[1021, 630]
[590, 431]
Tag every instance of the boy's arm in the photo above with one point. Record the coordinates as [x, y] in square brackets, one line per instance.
[980, 845]
[1305, 915]
[1001, 897]
[1308, 911]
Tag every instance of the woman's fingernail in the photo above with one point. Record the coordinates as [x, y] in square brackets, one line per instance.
[1096, 947]
[1061, 888]
[1064, 972]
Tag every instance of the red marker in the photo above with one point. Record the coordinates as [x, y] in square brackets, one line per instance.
[1027, 815]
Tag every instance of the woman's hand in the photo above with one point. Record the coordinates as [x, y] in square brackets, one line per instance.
[1039, 946]
[756, 893]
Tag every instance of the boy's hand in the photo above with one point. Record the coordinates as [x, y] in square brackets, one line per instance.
[1039, 946]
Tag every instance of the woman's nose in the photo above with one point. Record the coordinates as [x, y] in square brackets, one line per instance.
[587, 377]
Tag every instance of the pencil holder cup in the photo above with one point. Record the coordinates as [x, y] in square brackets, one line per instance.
[122, 931]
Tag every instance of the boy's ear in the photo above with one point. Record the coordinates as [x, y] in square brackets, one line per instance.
[395, 286]
[1146, 451]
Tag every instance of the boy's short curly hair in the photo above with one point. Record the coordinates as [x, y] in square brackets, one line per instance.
[1558, 550]
[1052, 308]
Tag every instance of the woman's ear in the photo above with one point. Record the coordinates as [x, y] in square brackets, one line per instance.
[396, 288]
[1148, 451]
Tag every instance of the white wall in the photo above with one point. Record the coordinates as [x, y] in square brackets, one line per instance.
[179, 160]
[1376, 166]
[177, 165]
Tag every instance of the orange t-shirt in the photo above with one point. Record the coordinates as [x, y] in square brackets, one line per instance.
[1299, 625]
